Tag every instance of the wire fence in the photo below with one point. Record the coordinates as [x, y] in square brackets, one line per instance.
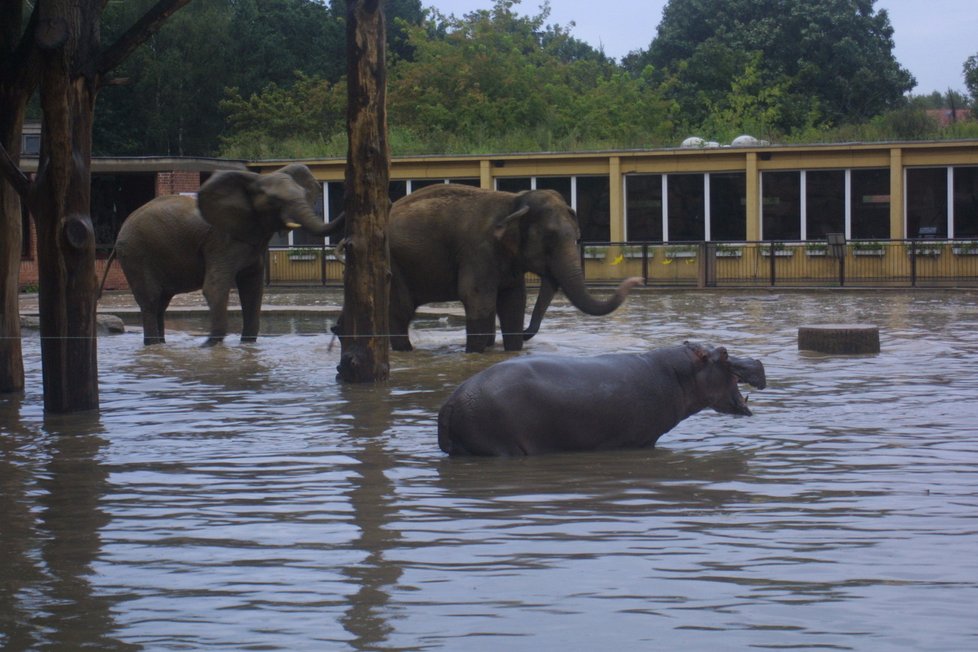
[917, 263]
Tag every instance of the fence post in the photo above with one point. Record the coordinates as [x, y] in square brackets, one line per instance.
[322, 263]
[268, 267]
[645, 263]
[771, 257]
[913, 263]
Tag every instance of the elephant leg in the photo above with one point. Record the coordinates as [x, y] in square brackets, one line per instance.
[402, 309]
[251, 286]
[152, 312]
[216, 294]
[479, 298]
[511, 306]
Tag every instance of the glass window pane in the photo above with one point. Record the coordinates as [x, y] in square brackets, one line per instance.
[687, 207]
[513, 184]
[927, 202]
[397, 189]
[870, 204]
[560, 184]
[594, 209]
[418, 184]
[966, 202]
[825, 197]
[781, 206]
[643, 198]
[728, 206]
[465, 182]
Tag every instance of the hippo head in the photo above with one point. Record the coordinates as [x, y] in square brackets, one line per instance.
[717, 375]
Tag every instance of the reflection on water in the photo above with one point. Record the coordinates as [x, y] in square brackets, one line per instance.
[237, 497]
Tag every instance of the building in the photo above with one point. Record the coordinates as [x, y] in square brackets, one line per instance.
[751, 194]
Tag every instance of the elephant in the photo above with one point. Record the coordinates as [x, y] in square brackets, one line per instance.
[549, 403]
[177, 244]
[453, 242]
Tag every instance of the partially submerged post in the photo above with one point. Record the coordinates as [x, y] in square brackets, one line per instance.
[366, 285]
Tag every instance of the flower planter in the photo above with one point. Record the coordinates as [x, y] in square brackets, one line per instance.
[965, 251]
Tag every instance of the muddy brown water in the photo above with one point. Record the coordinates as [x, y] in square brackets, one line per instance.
[238, 497]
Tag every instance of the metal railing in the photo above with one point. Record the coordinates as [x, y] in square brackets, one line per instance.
[916, 263]
[856, 263]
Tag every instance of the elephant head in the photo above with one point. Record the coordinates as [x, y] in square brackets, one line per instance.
[542, 230]
[251, 207]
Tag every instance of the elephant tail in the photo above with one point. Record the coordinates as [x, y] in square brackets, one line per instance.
[105, 274]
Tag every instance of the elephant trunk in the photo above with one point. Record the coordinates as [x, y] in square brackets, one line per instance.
[546, 294]
[305, 217]
[569, 275]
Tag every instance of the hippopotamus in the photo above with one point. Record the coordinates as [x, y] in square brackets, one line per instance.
[550, 403]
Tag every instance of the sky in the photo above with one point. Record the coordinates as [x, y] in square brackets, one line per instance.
[932, 37]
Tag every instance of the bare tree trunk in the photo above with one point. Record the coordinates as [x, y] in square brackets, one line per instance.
[366, 290]
[11, 356]
[17, 81]
[60, 201]
[59, 48]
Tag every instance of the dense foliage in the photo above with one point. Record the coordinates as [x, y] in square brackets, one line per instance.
[265, 78]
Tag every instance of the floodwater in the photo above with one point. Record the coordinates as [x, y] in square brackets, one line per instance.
[238, 497]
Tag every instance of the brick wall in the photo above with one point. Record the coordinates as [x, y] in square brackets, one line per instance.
[174, 183]
[167, 183]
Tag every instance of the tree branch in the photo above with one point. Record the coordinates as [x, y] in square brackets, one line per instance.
[13, 174]
[145, 27]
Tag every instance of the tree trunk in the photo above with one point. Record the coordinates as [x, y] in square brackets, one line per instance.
[17, 81]
[60, 201]
[364, 324]
[11, 356]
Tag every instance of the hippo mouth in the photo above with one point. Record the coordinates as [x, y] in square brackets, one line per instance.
[747, 371]
[739, 402]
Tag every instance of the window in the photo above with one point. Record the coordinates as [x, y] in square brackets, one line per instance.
[825, 203]
[870, 204]
[781, 206]
[686, 208]
[513, 184]
[563, 185]
[728, 207]
[594, 208]
[927, 202]
[31, 145]
[966, 202]
[643, 207]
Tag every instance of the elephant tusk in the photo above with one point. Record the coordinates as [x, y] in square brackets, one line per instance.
[293, 225]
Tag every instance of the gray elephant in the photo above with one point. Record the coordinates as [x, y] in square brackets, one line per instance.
[455, 242]
[177, 244]
[548, 404]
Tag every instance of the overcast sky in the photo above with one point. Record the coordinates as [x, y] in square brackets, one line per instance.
[933, 37]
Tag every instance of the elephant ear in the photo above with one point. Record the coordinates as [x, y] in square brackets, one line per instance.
[506, 229]
[303, 176]
[226, 202]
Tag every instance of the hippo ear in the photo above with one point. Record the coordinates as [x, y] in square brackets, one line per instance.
[701, 352]
[719, 354]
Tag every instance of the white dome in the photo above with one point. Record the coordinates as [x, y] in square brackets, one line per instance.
[745, 141]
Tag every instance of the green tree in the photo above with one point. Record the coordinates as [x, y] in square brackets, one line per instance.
[167, 99]
[304, 119]
[971, 79]
[837, 53]
[495, 80]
